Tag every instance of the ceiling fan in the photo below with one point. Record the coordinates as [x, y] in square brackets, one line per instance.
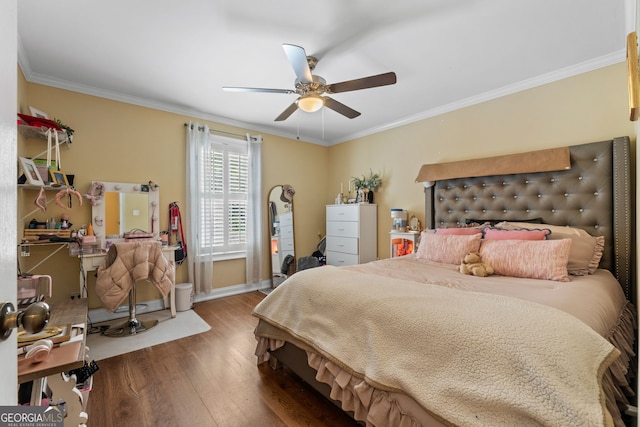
[311, 87]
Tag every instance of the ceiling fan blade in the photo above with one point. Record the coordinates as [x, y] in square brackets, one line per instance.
[298, 59]
[340, 108]
[363, 83]
[256, 89]
[286, 113]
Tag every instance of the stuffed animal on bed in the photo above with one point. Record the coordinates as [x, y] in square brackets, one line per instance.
[473, 265]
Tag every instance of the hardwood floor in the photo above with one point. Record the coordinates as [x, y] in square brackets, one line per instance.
[209, 379]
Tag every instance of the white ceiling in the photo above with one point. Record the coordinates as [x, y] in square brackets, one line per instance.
[177, 55]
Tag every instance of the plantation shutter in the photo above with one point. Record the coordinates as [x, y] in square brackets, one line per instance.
[225, 177]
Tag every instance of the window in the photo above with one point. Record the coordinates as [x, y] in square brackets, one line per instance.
[224, 182]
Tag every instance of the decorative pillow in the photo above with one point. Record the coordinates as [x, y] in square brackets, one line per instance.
[465, 231]
[528, 222]
[585, 254]
[447, 248]
[510, 225]
[537, 259]
[490, 233]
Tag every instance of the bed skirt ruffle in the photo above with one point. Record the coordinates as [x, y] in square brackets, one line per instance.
[378, 408]
[615, 381]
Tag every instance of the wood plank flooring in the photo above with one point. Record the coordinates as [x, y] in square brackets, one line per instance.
[209, 379]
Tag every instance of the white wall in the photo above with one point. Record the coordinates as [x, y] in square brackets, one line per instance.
[8, 156]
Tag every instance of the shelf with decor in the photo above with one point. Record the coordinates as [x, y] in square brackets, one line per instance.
[38, 177]
[40, 132]
[47, 187]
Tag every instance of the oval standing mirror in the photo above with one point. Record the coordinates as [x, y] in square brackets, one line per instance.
[281, 240]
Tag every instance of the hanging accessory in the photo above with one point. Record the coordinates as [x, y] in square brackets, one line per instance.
[50, 134]
[41, 200]
[67, 191]
[175, 227]
[96, 193]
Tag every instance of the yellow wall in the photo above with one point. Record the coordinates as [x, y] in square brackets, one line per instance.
[586, 108]
[115, 141]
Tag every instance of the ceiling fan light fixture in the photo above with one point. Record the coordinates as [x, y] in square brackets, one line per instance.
[310, 103]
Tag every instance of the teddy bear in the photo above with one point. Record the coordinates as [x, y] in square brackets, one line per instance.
[473, 265]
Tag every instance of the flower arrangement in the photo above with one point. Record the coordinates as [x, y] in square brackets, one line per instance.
[372, 182]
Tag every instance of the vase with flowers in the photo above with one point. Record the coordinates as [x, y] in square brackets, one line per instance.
[366, 185]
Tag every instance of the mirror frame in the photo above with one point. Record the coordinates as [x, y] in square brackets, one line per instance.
[98, 210]
[269, 236]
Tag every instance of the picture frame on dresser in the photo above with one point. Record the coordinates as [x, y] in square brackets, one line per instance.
[31, 171]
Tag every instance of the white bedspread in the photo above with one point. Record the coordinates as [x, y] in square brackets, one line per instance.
[472, 358]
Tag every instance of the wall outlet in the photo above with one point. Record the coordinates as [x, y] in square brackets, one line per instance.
[75, 295]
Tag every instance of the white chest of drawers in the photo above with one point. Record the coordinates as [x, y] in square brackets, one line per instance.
[285, 242]
[352, 234]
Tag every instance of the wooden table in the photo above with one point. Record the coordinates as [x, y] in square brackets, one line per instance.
[62, 359]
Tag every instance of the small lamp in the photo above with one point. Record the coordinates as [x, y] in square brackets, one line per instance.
[310, 103]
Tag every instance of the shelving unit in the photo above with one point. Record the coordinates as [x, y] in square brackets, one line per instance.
[41, 133]
[34, 132]
[37, 187]
[72, 355]
[47, 187]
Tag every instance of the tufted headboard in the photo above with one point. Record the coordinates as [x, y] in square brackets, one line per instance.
[595, 195]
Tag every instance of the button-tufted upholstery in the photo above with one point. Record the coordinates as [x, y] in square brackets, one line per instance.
[594, 195]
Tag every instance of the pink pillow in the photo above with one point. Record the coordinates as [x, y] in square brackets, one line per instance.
[490, 233]
[458, 231]
[447, 248]
[535, 259]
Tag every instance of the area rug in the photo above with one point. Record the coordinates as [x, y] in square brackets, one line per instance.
[185, 323]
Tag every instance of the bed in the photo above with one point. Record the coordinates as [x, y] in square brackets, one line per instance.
[411, 341]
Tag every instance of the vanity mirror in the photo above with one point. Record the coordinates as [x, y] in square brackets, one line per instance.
[281, 237]
[119, 207]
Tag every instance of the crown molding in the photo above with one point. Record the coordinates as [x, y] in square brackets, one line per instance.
[563, 73]
[543, 79]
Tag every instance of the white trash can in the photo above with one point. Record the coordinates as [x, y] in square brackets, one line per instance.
[184, 296]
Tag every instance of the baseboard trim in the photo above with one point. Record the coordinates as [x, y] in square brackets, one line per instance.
[231, 290]
[102, 315]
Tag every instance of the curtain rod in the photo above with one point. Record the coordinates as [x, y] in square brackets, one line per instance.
[225, 132]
